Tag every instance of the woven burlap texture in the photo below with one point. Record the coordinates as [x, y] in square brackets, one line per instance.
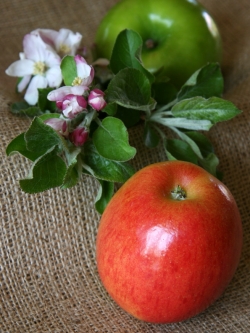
[48, 276]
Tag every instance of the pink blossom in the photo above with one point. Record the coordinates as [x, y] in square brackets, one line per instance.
[72, 105]
[80, 84]
[59, 125]
[79, 136]
[96, 99]
[64, 41]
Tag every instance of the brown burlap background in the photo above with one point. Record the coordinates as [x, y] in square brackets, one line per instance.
[48, 276]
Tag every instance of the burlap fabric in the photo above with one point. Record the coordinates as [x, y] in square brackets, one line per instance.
[48, 275]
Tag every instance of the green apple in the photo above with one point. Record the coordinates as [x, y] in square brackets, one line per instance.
[179, 36]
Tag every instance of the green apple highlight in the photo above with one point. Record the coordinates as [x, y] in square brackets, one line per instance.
[179, 36]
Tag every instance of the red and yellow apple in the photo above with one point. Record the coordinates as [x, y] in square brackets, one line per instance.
[169, 242]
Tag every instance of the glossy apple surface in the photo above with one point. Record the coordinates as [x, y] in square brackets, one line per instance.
[179, 35]
[165, 260]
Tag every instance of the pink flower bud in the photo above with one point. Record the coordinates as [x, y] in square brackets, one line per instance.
[79, 136]
[72, 105]
[58, 125]
[96, 99]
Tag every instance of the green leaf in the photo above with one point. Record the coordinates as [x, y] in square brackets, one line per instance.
[130, 88]
[210, 164]
[202, 148]
[193, 145]
[213, 109]
[47, 172]
[150, 136]
[18, 145]
[163, 92]
[127, 116]
[43, 103]
[179, 150]
[202, 142]
[105, 193]
[74, 167]
[24, 109]
[110, 109]
[190, 124]
[206, 82]
[127, 53]
[69, 71]
[103, 168]
[71, 177]
[111, 140]
[41, 137]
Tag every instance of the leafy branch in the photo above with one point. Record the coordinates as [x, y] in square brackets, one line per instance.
[131, 93]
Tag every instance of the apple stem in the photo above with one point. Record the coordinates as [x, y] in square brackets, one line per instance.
[178, 193]
[150, 44]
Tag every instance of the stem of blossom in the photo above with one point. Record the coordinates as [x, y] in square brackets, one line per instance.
[89, 118]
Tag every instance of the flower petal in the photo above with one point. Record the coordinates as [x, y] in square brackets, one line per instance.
[31, 95]
[60, 93]
[23, 83]
[83, 69]
[20, 68]
[67, 41]
[49, 36]
[54, 76]
[34, 47]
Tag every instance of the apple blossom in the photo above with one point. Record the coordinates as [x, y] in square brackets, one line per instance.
[59, 125]
[96, 99]
[38, 66]
[79, 136]
[71, 105]
[81, 83]
[64, 41]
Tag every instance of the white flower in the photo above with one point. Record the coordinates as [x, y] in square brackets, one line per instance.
[81, 83]
[64, 41]
[38, 66]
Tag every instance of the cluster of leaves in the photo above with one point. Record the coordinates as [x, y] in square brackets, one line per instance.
[131, 94]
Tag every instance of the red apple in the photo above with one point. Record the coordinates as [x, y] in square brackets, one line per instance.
[169, 242]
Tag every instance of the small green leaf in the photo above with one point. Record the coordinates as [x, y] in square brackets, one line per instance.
[130, 88]
[210, 164]
[179, 150]
[213, 109]
[47, 172]
[127, 53]
[111, 140]
[193, 145]
[24, 109]
[69, 71]
[105, 193]
[206, 82]
[43, 103]
[18, 145]
[103, 168]
[150, 136]
[202, 142]
[71, 177]
[41, 137]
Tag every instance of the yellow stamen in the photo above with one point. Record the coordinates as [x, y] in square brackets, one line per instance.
[77, 81]
[64, 49]
[39, 68]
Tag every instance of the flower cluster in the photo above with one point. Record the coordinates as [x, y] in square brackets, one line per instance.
[39, 67]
